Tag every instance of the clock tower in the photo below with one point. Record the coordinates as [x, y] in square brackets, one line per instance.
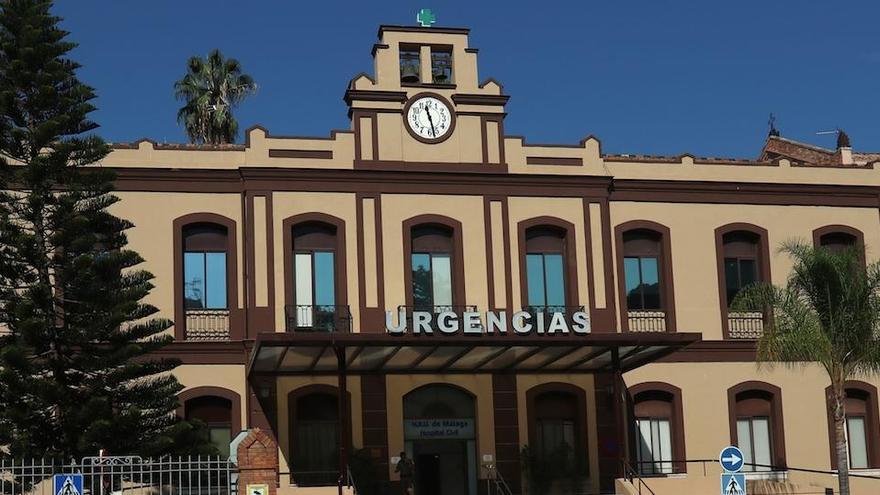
[424, 107]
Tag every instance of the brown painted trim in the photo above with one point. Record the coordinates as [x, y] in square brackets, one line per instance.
[341, 279]
[418, 29]
[208, 391]
[608, 263]
[711, 192]
[777, 419]
[321, 154]
[431, 167]
[429, 85]
[205, 352]
[676, 421]
[178, 146]
[377, 47]
[588, 243]
[550, 160]
[259, 319]
[490, 255]
[872, 426]
[506, 422]
[458, 279]
[374, 95]
[236, 332]
[371, 318]
[667, 282]
[571, 271]
[580, 396]
[508, 256]
[331, 137]
[449, 106]
[715, 351]
[478, 99]
[763, 263]
[211, 391]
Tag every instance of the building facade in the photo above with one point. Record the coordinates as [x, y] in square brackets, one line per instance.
[284, 262]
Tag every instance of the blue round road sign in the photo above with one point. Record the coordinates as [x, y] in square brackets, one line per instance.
[731, 459]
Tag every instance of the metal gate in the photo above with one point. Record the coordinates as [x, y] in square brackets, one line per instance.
[184, 475]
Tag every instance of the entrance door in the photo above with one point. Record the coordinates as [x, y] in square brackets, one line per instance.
[441, 467]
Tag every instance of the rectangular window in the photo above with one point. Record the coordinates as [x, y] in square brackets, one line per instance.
[655, 445]
[753, 438]
[738, 273]
[432, 281]
[441, 65]
[858, 442]
[545, 276]
[204, 281]
[642, 275]
[315, 286]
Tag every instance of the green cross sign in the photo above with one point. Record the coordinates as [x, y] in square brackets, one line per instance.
[426, 18]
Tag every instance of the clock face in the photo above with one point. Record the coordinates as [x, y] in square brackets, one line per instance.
[429, 118]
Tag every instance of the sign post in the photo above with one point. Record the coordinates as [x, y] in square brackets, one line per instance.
[67, 484]
[733, 482]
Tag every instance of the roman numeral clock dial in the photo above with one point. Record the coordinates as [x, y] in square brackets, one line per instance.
[429, 118]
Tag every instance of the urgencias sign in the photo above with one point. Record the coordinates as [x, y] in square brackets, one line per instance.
[470, 322]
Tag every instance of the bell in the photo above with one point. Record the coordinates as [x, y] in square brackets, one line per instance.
[409, 73]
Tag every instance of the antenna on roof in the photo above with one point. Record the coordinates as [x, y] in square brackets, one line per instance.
[772, 123]
[825, 133]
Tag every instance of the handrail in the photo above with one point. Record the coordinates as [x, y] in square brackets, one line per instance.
[631, 475]
[500, 483]
[772, 468]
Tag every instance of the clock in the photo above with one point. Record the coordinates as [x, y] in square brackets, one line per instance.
[429, 118]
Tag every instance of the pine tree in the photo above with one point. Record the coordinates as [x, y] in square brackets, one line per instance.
[76, 370]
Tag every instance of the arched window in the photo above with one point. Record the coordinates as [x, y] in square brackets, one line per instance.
[756, 425]
[216, 413]
[645, 263]
[840, 238]
[431, 258]
[548, 276]
[314, 427]
[659, 428]
[863, 437]
[557, 436]
[205, 277]
[314, 265]
[218, 408]
[743, 259]
[434, 264]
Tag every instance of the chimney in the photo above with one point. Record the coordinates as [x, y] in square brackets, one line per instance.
[843, 155]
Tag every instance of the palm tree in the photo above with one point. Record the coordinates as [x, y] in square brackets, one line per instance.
[212, 87]
[827, 313]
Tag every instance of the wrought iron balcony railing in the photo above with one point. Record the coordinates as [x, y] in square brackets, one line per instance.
[207, 325]
[646, 320]
[745, 324]
[549, 310]
[318, 318]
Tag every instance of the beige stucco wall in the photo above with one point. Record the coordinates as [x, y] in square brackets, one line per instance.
[340, 205]
[705, 406]
[466, 209]
[153, 216]
[692, 237]
[228, 376]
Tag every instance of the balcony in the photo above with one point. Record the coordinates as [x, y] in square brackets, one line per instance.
[207, 325]
[646, 320]
[317, 318]
[745, 324]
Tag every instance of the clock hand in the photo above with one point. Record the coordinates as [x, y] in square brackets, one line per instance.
[430, 121]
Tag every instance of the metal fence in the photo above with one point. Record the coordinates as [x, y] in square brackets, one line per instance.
[186, 475]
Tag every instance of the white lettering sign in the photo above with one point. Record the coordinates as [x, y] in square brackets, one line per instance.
[521, 323]
[434, 429]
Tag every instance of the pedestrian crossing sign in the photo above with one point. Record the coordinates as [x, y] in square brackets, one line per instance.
[733, 484]
[67, 484]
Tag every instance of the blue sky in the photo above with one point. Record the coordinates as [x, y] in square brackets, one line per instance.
[651, 77]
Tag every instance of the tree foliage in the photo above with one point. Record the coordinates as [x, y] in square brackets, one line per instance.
[827, 313]
[211, 89]
[76, 372]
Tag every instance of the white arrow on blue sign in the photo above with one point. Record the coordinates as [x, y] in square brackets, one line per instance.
[67, 484]
[731, 459]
